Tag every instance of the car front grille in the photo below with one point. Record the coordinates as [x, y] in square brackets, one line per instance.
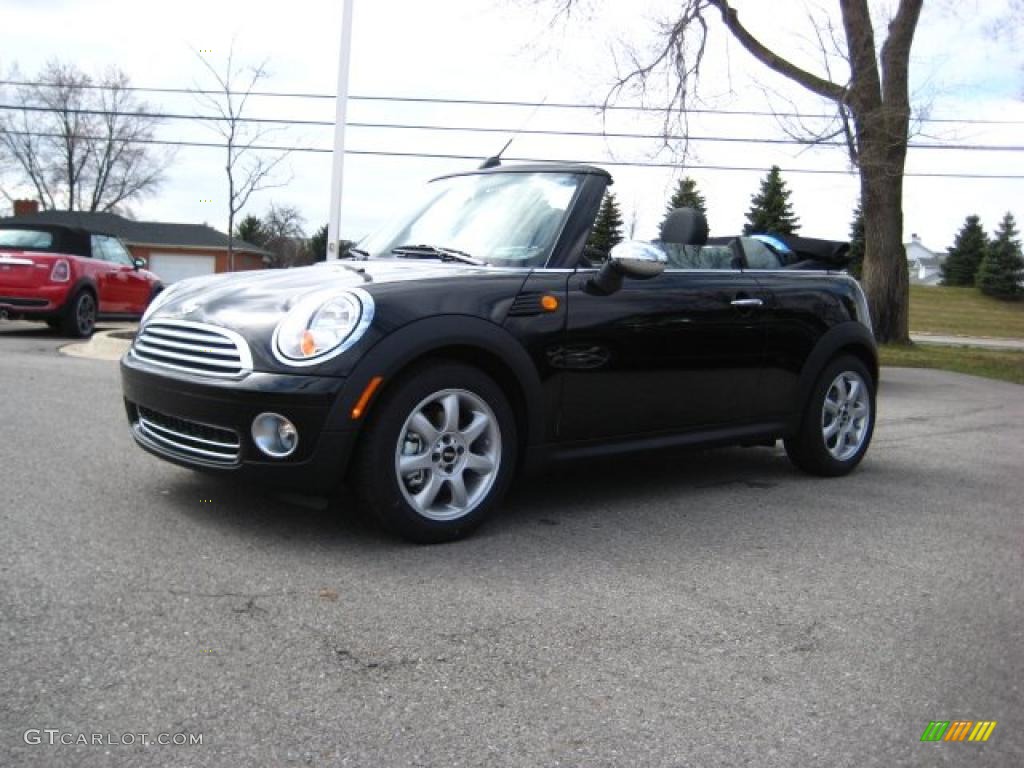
[193, 347]
[189, 439]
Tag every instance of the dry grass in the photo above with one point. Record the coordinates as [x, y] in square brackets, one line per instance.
[1000, 364]
[964, 312]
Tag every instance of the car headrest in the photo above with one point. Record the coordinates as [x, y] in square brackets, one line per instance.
[685, 226]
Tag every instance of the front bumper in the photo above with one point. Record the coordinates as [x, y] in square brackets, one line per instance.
[205, 424]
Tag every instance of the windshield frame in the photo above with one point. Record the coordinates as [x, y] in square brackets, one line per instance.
[399, 227]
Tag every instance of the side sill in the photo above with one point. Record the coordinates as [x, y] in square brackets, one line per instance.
[540, 455]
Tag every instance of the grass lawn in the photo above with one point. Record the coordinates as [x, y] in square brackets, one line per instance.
[1001, 364]
[964, 312]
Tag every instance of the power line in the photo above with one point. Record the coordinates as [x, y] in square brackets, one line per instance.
[446, 156]
[490, 102]
[505, 131]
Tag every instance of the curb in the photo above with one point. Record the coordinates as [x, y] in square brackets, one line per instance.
[104, 345]
[978, 342]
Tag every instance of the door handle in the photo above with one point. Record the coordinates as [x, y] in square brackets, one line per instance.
[747, 303]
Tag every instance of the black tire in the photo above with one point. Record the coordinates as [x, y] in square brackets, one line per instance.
[389, 494]
[79, 319]
[810, 449]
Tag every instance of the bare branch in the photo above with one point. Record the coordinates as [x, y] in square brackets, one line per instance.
[247, 171]
[821, 86]
[81, 148]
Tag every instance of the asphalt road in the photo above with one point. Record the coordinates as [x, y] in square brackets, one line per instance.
[707, 609]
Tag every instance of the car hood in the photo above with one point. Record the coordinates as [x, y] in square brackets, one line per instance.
[244, 299]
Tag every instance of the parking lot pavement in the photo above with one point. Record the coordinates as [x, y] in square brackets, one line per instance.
[701, 609]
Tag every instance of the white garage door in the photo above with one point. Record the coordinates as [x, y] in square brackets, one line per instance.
[171, 267]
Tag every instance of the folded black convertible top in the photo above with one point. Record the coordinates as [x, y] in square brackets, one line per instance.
[833, 254]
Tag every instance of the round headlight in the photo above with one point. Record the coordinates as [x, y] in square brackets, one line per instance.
[318, 328]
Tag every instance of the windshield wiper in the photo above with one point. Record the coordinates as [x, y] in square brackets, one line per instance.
[432, 251]
[353, 253]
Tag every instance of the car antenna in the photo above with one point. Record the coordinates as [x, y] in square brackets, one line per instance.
[495, 161]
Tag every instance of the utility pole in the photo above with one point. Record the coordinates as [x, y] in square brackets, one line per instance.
[340, 108]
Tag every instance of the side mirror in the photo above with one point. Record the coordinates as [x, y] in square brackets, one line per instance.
[630, 258]
[139, 263]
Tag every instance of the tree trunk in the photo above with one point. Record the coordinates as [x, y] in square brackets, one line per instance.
[885, 277]
[231, 241]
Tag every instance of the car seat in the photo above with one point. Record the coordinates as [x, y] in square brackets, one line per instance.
[684, 238]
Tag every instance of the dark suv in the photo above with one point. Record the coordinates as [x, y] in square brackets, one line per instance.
[477, 336]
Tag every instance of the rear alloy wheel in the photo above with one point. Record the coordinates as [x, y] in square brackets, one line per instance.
[80, 316]
[838, 422]
[438, 454]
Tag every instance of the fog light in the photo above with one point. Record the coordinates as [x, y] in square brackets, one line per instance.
[275, 435]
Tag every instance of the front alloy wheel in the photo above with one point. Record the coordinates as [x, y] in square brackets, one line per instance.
[845, 415]
[448, 454]
[437, 452]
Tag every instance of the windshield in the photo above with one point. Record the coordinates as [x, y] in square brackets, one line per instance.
[501, 219]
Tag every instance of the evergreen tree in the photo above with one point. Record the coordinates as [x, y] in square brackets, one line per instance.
[961, 265]
[857, 242]
[251, 230]
[686, 196]
[1000, 272]
[607, 230]
[318, 244]
[770, 210]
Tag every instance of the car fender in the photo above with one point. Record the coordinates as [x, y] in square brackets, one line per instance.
[851, 335]
[423, 338]
[79, 284]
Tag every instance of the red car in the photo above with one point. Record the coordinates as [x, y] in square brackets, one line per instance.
[70, 277]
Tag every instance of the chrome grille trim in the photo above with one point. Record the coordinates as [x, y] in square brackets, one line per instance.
[184, 445]
[171, 333]
[157, 340]
[183, 345]
[146, 347]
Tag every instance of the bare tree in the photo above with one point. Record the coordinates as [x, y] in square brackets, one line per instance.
[873, 114]
[248, 169]
[285, 238]
[79, 144]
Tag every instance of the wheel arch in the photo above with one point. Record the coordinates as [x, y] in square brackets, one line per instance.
[84, 284]
[847, 338]
[465, 339]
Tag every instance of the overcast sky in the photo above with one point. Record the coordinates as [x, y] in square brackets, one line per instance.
[512, 50]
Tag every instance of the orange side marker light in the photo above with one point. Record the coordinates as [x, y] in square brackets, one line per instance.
[549, 303]
[364, 399]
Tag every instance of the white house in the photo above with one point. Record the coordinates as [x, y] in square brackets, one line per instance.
[923, 263]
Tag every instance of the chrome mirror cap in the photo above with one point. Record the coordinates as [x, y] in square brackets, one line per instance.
[636, 258]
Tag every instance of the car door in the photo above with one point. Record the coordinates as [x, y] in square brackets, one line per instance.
[112, 277]
[678, 352]
[136, 287]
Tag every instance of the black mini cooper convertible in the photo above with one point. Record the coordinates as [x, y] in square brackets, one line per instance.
[480, 335]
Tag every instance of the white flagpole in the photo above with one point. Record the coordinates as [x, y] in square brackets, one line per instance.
[340, 107]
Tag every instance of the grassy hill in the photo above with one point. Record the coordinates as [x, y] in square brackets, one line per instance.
[964, 312]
